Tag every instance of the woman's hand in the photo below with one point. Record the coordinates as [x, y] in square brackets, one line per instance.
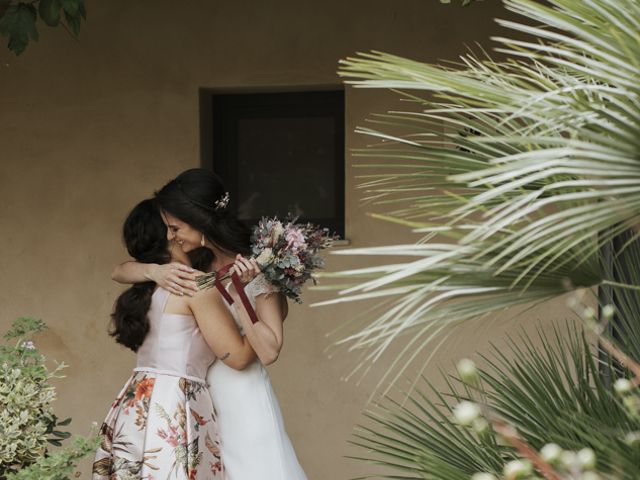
[175, 277]
[246, 268]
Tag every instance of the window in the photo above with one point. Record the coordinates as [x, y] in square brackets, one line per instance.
[278, 153]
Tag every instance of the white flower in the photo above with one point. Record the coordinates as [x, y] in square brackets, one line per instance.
[483, 476]
[608, 311]
[480, 426]
[28, 345]
[587, 459]
[265, 257]
[466, 412]
[632, 439]
[277, 232]
[622, 386]
[517, 469]
[551, 452]
[569, 460]
[468, 371]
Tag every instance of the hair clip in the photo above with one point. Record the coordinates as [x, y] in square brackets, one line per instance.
[223, 202]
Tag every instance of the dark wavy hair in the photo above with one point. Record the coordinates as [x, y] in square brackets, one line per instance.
[145, 236]
[192, 197]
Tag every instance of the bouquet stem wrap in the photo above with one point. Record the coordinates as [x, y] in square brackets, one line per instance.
[224, 273]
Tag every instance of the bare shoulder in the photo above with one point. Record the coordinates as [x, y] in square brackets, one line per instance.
[206, 297]
[177, 305]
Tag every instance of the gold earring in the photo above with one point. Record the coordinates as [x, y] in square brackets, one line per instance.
[202, 241]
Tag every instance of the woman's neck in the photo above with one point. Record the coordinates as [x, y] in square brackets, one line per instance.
[221, 258]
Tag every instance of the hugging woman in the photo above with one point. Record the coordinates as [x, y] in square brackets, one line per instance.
[253, 441]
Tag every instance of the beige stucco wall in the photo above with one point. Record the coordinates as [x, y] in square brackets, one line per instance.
[89, 127]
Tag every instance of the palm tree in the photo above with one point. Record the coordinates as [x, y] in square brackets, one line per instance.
[517, 172]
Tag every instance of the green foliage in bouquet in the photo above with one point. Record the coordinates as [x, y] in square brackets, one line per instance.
[28, 424]
[18, 19]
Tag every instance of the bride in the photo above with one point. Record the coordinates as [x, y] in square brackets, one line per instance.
[254, 443]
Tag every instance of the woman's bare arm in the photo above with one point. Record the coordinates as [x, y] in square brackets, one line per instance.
[175, 277]
[266, 336]
[219, 330]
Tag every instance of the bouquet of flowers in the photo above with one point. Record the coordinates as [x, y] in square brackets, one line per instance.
[287, 253]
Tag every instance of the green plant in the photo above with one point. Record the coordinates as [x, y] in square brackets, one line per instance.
[518, 174]
[28, 424]
[554, 394]
[59, 465]
[18, 19]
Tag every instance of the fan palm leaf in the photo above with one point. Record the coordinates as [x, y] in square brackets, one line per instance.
[516, 173]
[553, 394]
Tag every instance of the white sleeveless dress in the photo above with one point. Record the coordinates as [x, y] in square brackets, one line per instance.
[254, 443]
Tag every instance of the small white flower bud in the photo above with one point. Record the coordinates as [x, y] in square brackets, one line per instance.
[588, 314]
[631, 402]
[551, 452]
[632, 439]
[468, 371]
[608, 311]
[622, 386]
[569, 460]
[483, 476]
[573, 303]
[480, 426]
[466, 412]
[587, 459]
[517, 469]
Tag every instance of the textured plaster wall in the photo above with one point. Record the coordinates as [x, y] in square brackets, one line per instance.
[89, 127]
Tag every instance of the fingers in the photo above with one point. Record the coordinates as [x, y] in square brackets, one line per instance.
[175, 289]
[256, 267]
[247, 269]
[183, 268]
[183, 279]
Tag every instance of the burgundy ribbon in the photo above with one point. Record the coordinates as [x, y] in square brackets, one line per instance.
[235, 279]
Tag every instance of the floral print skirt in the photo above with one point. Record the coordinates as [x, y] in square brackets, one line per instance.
[160, 427]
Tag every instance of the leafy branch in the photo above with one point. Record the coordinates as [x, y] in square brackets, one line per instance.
[19, 19]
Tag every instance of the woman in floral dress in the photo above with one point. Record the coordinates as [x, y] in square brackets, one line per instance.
[163, 424]
[254, 441]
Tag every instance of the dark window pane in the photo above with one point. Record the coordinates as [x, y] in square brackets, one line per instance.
[286, 165]
[279, 153]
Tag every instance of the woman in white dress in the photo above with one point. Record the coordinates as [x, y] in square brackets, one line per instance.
[163, 423]
[254, 442]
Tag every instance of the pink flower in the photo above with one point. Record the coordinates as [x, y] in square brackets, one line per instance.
[295, 239]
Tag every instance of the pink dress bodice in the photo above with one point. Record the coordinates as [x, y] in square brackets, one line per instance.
[174, 344]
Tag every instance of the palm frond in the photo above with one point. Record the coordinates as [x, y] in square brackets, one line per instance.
[550, 394]
[527, 167]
